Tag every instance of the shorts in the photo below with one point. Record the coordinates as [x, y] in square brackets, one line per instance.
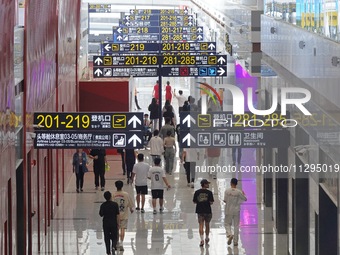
[142, 189]
[204, 217]
[157, 193]
[123, 224]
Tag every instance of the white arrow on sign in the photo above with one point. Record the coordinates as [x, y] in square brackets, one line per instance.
[107, 47]
[127, 23]
[131, 11]
[221, 60]
[211, 46]
[188, 138]
[119, 38]
[98, 61]
[220, 71]
[188, 119]
[134, 120]
[185, 11]
[127, 17]
[199, 29]
[190, 24]
[199, 37]
[190, 18]
[98, 72]
[119, 30]
[134, 139]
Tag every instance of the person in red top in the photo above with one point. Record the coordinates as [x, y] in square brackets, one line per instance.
[155, 93]
[168, 92]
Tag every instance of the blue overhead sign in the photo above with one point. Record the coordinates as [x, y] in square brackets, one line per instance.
[162, 30]
[159, 12]
[197, 47]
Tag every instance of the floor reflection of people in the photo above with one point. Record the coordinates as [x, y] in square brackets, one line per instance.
[140, 242]
[157, 238]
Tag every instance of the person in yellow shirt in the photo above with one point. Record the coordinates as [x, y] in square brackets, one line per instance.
[124, 201]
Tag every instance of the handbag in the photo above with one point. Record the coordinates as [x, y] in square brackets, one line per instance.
[107, 167]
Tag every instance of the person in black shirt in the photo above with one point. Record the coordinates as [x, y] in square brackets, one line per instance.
[99, 160]
[203, 198]
[110, 212]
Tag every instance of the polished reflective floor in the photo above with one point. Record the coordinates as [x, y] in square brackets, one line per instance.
[77, 226]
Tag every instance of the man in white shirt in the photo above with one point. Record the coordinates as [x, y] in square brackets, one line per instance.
[233, 197]
[140, 170]
[156, 146]
[181, 99]
[157, 176]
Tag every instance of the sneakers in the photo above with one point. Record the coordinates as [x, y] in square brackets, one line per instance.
[192, 185]
[142, 210]
[230, 239]
[201, 243]
[77, 190]
[137, 209]
[121, 248]
[235, 243]
[102, 189]
[161, 210]
[188, 184]
[81, 190]
[207, 240]
[154, 212]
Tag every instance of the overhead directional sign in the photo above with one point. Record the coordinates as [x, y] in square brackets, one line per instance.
[88, 139]
[194, 60]
[107, 72]
[227, 120]
[109, 47]
[152, 60]
[157, 30]
[202, 71]
[207, 47]
[158, 12]
[141, 60]
[156, 23]
[88, 121]
[157, 37]
[102, 8]
[234, 139]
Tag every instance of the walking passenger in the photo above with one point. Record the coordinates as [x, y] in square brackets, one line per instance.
[158, 178]
[189, 157]
[110, 212]
[125, 202]
[168, 92]
[130, 160]
[140, 171]
[170, 151]
[154, 113]
[79, 168]
[156, 146]
[203, 198]
[99, 161]
[233, 197]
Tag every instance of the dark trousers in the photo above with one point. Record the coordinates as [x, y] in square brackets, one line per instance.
[80, 178]
[239, 154]
[110, 234]
[129, 168]
[99, 174]
[123, 163]
[190, 171]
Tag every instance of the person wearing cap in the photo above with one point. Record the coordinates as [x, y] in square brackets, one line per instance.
[233, 197]
[203, 198]
[124, 201]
